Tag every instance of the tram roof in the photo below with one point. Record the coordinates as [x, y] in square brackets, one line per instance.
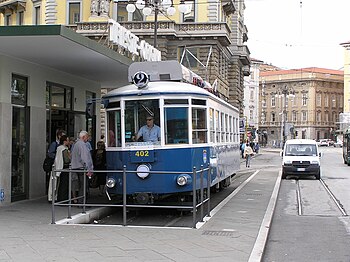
[162, 88]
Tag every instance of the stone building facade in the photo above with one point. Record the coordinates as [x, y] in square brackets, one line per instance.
[299, 103]
[251, 101]
[209, 39]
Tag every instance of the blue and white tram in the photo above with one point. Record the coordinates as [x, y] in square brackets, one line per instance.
[196, 129]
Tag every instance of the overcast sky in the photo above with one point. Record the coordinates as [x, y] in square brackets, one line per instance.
[291, 35]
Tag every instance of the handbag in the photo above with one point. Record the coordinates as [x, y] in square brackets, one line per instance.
[47, 165]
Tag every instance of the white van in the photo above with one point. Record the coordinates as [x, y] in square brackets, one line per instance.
[301, 157]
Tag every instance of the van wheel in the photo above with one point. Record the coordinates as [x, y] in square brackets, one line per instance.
[318, 175]
[284, 176]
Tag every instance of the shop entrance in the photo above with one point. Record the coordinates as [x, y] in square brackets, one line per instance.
[61, 115]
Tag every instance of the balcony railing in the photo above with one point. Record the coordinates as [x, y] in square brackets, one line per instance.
[297, 123]
[12, 5]
[221, 31]
[243, 52]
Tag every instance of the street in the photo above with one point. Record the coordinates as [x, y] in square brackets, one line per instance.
[319, 232]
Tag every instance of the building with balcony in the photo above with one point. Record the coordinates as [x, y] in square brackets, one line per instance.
[251, 99]
[55, 55]
[346, 77]
[299, 103]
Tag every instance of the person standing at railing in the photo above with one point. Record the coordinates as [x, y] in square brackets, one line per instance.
[62, 160]
[81, 159]
[100, 163]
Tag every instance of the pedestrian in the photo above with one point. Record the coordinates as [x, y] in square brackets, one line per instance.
[51, 153]
[71, 143]
[242, 149]
[257, 148]
[248, 153]
[62, 161]
[81, 160]
[99, 160]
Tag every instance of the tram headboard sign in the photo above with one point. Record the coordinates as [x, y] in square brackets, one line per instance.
[140, 79]
[169, 70]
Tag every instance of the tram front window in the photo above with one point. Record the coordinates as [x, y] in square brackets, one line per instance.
[141, 120]
[114, 128]
[176, 122]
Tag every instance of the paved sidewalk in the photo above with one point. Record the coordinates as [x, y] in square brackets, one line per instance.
[236, 231]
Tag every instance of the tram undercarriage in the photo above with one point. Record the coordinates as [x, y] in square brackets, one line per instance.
[149, 198]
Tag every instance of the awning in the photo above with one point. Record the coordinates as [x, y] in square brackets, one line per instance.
[61, 48]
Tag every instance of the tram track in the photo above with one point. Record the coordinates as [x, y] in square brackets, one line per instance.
[307, 195]
[336, 201]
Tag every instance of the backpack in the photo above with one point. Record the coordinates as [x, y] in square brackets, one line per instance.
[47, 165]
[48, 162]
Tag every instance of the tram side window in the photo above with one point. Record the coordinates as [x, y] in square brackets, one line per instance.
[212, 125]
[199, 126]
[114, 128]
[231, 129]
[222, 121]
[217, 126]
[176, 125]
[227, 129]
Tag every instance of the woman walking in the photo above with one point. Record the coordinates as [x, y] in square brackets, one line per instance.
[248, 153]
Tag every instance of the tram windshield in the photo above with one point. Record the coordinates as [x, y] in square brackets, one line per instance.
[141, 121]
[141, 124]
[144, 124]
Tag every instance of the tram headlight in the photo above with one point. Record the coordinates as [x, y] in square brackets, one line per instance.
[183, 180]
[142, 171]
[110, 182]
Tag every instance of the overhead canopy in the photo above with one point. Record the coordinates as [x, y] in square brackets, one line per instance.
[61, 48]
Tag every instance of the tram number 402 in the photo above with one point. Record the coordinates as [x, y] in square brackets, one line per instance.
[143, 153]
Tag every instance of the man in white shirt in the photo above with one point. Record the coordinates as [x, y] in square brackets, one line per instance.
[149, 132]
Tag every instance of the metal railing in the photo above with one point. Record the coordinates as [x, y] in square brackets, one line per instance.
[68, 202]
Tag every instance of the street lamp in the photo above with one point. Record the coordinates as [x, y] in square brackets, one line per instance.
[163, 6]
[284, 92]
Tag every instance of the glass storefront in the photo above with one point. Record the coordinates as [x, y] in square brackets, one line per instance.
[20, 135]
[61, 114]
